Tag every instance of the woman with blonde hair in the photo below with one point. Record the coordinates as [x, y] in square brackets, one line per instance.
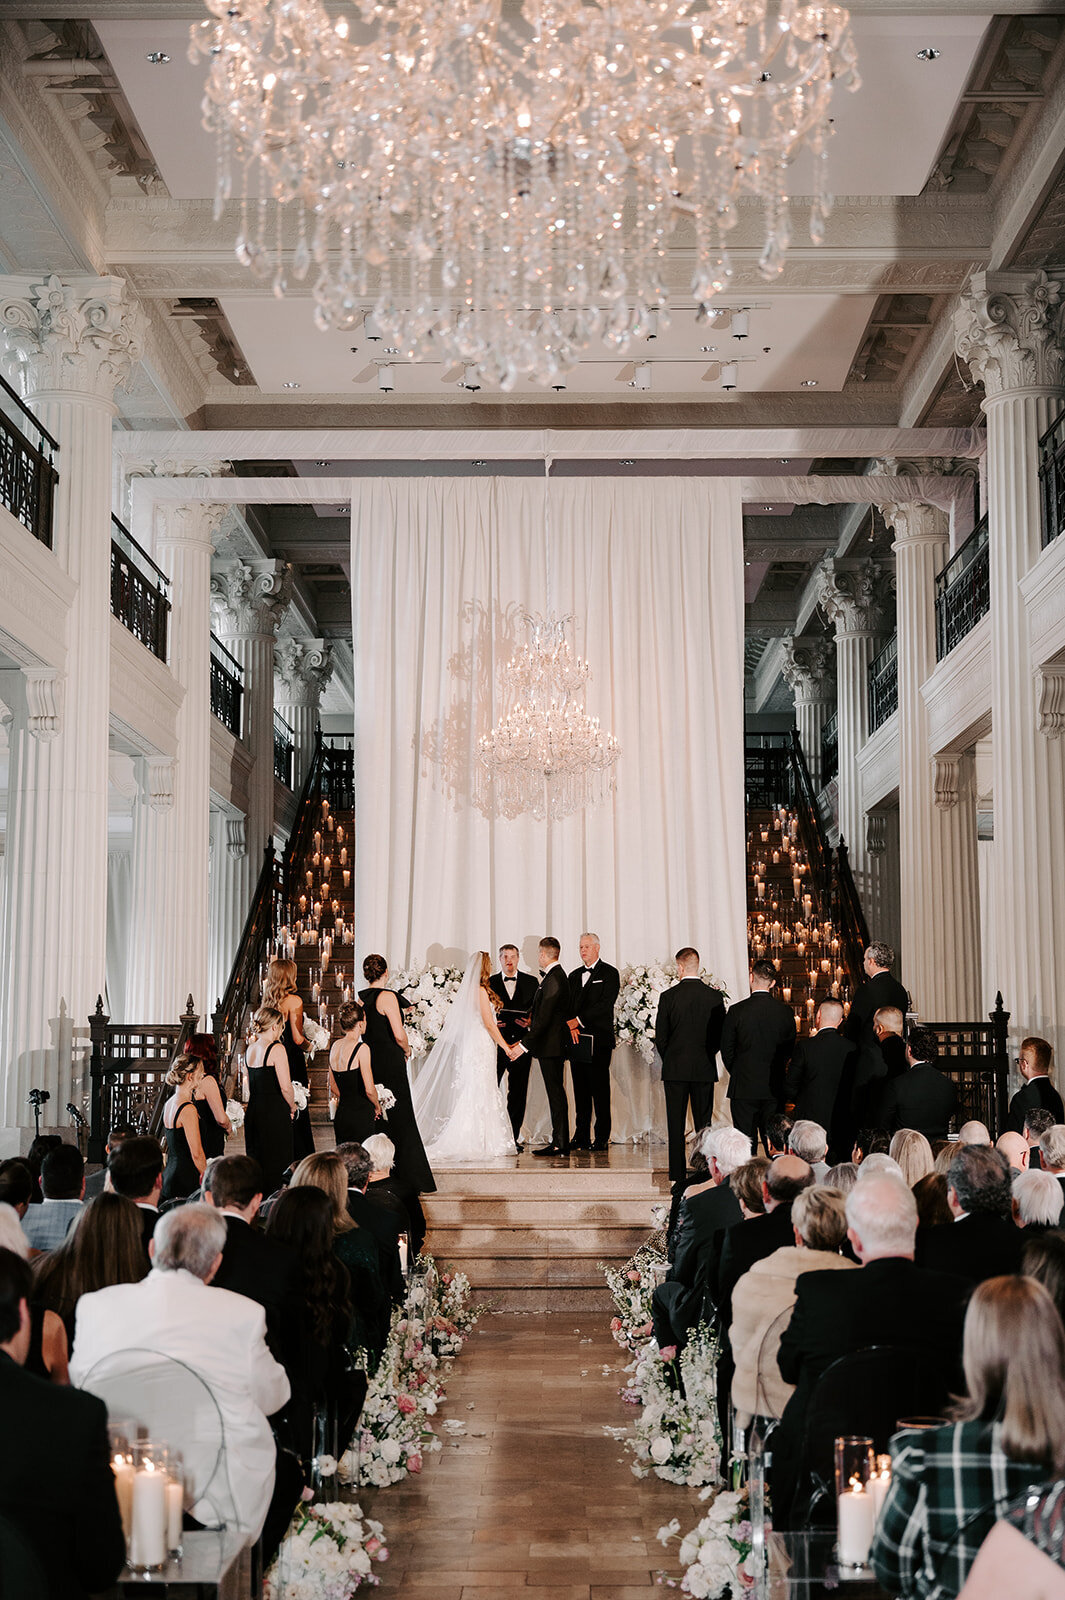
[457, 1099]
[913, 1153]
[353, 1247]
[185, 1159]
[950, 1484]
[279, 992]
[271, 1102]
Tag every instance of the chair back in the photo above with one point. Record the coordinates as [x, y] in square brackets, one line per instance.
[21, 1574]
[157, 1397]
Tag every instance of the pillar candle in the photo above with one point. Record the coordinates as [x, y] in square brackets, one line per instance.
[879, 1484]
[856, 1523]
[123, 1472]
[148, 1546]
[175, 1508]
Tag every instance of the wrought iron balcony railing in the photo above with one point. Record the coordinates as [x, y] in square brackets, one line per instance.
[227, 687]
[139, 591]
[884, 685]
[284, 750]
[963, 591]
[28, 477]
[1052, 479]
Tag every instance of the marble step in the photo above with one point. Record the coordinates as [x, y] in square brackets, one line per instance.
[550, 1211]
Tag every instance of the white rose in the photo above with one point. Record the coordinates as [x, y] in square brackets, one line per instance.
[390, 1451]
[661, 1450]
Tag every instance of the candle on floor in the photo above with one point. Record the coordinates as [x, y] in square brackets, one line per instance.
[856, 1524]
[347, 878]
[786, 992]
[344, 856]
[175, 1510]
[879, 1484]
[148, 1538]
[122, 1468]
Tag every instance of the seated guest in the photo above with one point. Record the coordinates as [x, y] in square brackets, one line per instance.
[47, 1355]
[1034, 1065]
[34, 1157]
[777, 1130]
[354, 1247]
[818, 1066]
[950, 1484]
[56, 1484]
[382, 1190]
[103, 1248]
[974, 1133]
[890, 1301]
[1043, 1259]
[252, 1264]
[913, 1153]
[933, 1207]
[63, 1184]
[135, 1171]
[1052, 1152]
[1014, 1146]
[16, 1185]
[809, 1141]
[696, 1176]
[681, 1301]
[384, 1225]
[1036, 1201]
[95, 1182]
[981, 1242]
[764, 1296]
[881, 1165]
[1036, 1123]
[11, 1234]
[944, 1150]
[221, 1336]
[869, 1142]
[747, 1184]
[748, 1242]
[922, 1097]
[843, 1177]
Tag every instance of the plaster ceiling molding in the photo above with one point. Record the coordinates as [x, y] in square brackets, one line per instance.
[45, 702]
[159, 782]
[1050, 699]
[946, 780]
[876, 832]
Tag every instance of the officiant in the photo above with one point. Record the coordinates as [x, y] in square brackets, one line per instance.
[517, 990]
[593, 988]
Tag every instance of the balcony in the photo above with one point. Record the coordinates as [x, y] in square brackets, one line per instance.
[227, 687]
[284, 750]
[830, 749]
[139, 591]
[963, 591]
[1052, 480]
[27, 477]
[884, 685]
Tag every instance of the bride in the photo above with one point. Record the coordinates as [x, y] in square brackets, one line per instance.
[457, 1100]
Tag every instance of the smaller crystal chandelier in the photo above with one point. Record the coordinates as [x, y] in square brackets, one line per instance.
[546, 755]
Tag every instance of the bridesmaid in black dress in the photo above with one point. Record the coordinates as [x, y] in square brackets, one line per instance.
[185, 1159]
[271, 1103]
[215, 1126]
[280, 991]
[389, 1048]
[351, 1079]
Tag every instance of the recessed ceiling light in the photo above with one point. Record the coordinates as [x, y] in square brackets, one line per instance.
[627, 461]
[290, 385]
[158, 58]
[929, 53]
[767, 508]
[391, 349]
[708, 349]
[321, 463]
[809, 383]
[785, 461]
[478, 463]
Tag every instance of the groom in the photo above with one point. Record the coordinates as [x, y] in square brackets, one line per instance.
[517, 990]
[548, 1039]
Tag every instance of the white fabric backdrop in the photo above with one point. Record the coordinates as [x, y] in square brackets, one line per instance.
[652, 572]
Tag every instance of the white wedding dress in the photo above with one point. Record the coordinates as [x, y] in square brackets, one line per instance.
[458, 1103]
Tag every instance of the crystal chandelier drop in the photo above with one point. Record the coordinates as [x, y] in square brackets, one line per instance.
[503, 187]
[546, 755]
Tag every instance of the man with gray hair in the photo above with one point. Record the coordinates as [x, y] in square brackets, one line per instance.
[881, 988]
[809, 1141]
[1037, 1200]
[221, 1336]
[677, 1305]
[982, 1241]
[891, 1301]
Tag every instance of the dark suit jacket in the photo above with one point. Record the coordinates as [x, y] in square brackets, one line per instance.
[744, 1244]
[56, 1483]
[148, 1220]
[268, 1272]
[688, 1031]
[386, 1228]
[548, 1033]
[703, 1220]
[975, 1247]
[525, 987]
[818, 1065]
[593, 1003]
[875, 993]
[1037, 1093]
[757, 1039]
[923, 1098]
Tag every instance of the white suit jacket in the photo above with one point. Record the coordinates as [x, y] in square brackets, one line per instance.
[222, 1336]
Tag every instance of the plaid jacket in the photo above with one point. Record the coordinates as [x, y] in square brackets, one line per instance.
[943, 1480]
[47, 1224]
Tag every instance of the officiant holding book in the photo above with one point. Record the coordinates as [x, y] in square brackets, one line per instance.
[593, 989]
[517, 990]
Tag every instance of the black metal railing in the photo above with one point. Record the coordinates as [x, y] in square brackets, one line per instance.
[884, 685]
[830, 749]
[227, 687]
[976, 1056]
[1052, 480]
[28, 478]
[127, 1072]
[284, 750]
[963, 591]
[139, 591]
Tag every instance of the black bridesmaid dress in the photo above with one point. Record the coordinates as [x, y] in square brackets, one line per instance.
[411, 1170]
[180, 1176]
[302, 1137]
[355, 1118]
[268, 1124]
[212, 1134]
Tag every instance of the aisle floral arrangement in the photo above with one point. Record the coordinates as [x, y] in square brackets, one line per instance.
[676, 1435]
[430, 991]
[327, 1553]
[715, 1553]
[631, 1288]
[637, 1003]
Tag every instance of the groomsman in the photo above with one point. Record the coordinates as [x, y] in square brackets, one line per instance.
[687, 1036]
[517, 990]
[593, 992]
[548, 1039]
[757, 1039]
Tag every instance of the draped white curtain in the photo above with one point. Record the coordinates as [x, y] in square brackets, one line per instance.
[652, 572]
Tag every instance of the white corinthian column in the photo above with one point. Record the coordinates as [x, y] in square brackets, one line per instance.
[68, 343]
[807, 671]
[303, 668]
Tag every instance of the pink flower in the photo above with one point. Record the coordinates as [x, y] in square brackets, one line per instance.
[406, 1404]
[615, 1324]
[414, 1462]
[668, 1352]
[372, 1545]
[633, 1277]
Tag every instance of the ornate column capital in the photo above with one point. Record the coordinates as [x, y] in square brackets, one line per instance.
[236, 838]
[914, 521]
[1010, 328]
[45, 698]
[852, 597]
[251, 596]
[876, 833]
[158, 783]
[79, 334]
[304, 668]
[946, 781]
[1050, 701]
[808, 668]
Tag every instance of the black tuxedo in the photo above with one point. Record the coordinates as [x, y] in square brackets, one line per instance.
[687, 1037]
[819, 1066]
[56, 1484]
[757, 1039]
[923, 1098]
[974, 1247]
[1038, 1093]
[548, 1039]
[268, 1272]
[678, 1303]
[525, 987]
[870, 997]
[592, 1004]
[890, 1301]
[386, 1227]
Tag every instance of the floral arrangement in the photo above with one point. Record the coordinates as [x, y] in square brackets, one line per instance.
[637, 1002]
[430, 991]
[326, 1554]
[631, 1287]
[676, 1435]
[316, 1036]
[386, 1099]
[235, 1113]
[716, 1552]
[301, 1095]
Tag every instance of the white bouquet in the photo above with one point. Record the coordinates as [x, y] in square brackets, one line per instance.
[316, 1036]
[386, 1098]
[430, 991]
[326, 1553]
[302, 1096]
[235, 1113]
[715, 1552]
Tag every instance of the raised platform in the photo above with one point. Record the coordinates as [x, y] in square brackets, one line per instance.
[530, 1232]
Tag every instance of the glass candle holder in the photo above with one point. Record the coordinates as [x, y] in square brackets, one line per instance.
[855, 1515]
[148, 1542]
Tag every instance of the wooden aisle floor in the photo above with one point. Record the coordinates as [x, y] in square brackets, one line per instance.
[533, 1497]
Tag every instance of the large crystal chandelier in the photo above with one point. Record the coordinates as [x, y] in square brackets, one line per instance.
[546, 755]
[501, 180]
